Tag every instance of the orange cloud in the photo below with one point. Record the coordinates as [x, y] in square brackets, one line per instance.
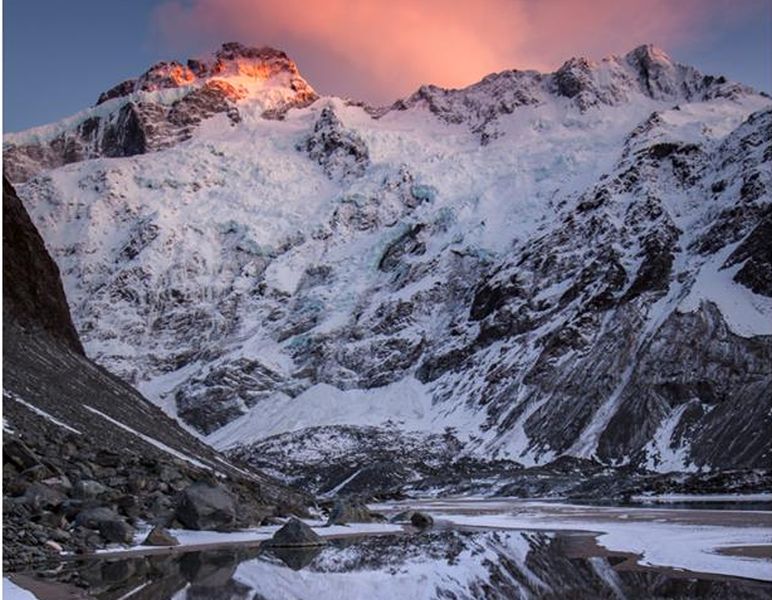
[379, 50]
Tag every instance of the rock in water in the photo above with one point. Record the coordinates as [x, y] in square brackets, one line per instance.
[421, 520]
[158, 536]
[204, 506]
[295, 533]
[296, 557]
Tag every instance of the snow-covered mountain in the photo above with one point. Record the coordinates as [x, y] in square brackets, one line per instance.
[575, 263]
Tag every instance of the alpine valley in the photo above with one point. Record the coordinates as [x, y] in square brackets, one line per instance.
[543, 284]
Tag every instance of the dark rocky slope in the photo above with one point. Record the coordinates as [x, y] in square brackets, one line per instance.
[85, 457]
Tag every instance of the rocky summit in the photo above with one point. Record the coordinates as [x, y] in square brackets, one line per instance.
[540, 284]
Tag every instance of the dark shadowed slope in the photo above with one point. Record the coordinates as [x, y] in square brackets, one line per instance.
[78, 438]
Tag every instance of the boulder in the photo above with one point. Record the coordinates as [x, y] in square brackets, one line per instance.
[88, 488]
[158, 536]
[421, 520]
[205, 506]
[349, 511]
[116, 531]
[293, 534]
[16, 452]
[92, 517]
[403, 517]
[40, 495]
[60, 482]
[107, 458]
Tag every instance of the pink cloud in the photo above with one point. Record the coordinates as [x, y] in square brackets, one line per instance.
[379, 50]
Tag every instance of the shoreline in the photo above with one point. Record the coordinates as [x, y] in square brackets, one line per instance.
[585, 531]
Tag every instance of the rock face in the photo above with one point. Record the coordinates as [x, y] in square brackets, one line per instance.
[341, 152]
[34, 296]
[205, 506]
[295, 533]
[84, 455]
[134, 117]
[535, 267]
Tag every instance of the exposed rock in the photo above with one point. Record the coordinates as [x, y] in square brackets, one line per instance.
[403, 517]
[158, 536]
[295, 533]
[91, 518]
[349, 511]
[205, 506]
[41, 496]
[421, 520]
[116, 531]
[88, 488]
[33, 294]
[342, 153]
[16, 452]
[139, 123]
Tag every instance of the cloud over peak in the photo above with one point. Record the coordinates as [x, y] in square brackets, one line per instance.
[378, 51]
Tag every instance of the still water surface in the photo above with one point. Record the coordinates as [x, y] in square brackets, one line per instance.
[449, 564]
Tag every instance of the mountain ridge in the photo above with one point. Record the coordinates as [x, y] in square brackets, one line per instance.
[516, 268]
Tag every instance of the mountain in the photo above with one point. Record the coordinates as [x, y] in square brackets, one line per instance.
[572, 266]
[77, 439]
[163, 107]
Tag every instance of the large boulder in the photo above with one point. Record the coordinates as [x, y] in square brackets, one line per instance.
[403, 517]
[295, 533]
[92, 517]
[110, 525]
[41, 496]
[205, 506]
[116, 531]
[421, 520]
[18, 454]
[350, 511]
[88, 488]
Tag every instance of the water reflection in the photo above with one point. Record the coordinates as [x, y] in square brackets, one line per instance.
[439, 564]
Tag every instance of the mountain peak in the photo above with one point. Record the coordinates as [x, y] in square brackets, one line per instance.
[248, 69]
[649, 53]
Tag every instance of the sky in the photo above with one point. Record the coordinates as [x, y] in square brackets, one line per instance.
[58, 55]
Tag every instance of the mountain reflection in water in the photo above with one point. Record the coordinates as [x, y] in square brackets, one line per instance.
[440, 564]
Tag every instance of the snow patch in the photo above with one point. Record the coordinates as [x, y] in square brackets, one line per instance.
[154, 442]
[40, 412]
